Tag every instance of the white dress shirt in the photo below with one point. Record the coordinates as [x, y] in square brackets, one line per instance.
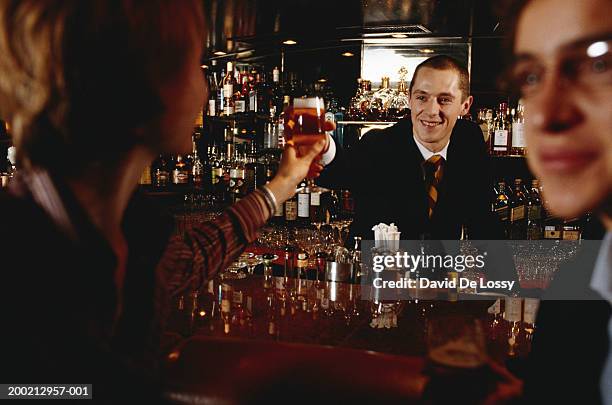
[427, 153]
[601, 281]
[329, 156]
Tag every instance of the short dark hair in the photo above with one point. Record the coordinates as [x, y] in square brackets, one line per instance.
[444, 62]
[77, 77]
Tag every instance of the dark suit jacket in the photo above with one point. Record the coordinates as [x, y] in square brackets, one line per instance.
[58, 301]
[571, 341]
[385, 175]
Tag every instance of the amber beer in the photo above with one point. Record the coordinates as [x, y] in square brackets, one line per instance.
[305, 122]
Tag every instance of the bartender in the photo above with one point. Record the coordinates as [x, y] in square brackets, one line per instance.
[428, 174]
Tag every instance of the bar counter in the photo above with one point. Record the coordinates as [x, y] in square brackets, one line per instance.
[279, 326]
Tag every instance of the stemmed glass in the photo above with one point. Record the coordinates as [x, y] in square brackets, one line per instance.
[233, 271]
[305, 126]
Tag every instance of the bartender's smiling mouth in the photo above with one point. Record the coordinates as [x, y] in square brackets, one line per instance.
[431, 123]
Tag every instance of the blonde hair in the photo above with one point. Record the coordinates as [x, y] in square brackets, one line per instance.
[76, 76]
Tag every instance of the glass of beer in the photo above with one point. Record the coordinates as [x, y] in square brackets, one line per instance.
[305, 126]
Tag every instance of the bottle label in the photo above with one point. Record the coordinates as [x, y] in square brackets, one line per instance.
[518, 135]
[512, 311]
[517, 213]
[276, 75]
[551, 232]
[228, 90]
[217, 174]
[225, 305]
[315, 198]
[303, 205]
[237, 297]
[290, 210]
[502, 213]
[228, 110]
[239, 106]
[212, 107]
[180, 177]
[530, 311]
[500, 140]
[252, 101]
[571, 234]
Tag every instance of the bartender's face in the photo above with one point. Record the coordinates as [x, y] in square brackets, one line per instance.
[436, 102]
[564, 72]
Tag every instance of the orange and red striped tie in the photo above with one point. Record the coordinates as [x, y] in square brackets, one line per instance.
[434, 169]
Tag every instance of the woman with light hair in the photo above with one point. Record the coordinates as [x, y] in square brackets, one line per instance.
[94, 90]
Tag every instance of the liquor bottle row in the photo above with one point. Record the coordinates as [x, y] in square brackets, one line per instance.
[503, 130]
[235, 91]
[227, 173]
[384, 104]
[524, 216]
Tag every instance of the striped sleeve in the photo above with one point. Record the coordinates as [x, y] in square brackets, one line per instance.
[210, 247]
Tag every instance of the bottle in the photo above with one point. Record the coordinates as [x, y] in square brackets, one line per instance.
[518, 132]
[229, 82]
[534, 212]
[242, 96]
[303, 202]
[277, 91]
[513, 316]
[500, 206]
[379, 105]
[180, 174]
[501, 132]
[317, 215]
[270, 140]
[216, 172]
[236, 178]
[197, 168]
[11, 162]
[161, 175]
[301, 265]
[291, 211]
[517, 205]
[145, 177]
[255, 171]
[213, 90]
[220, 104]
[226, 306]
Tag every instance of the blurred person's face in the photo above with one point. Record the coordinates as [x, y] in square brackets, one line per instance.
[183, 96]
[436, 102]
[564, 71]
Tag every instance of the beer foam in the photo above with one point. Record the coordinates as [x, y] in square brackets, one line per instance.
[311, 102]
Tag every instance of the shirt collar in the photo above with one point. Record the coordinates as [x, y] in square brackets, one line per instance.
[601, 280]
[427, 153]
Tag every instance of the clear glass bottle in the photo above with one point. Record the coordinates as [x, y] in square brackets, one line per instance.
[502, 128]
[381, 99]
[229, 84]
[400, 102]
[518, 132]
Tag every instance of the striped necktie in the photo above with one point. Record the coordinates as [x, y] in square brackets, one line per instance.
[434, 170]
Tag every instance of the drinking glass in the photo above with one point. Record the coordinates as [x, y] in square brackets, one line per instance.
[305, 126]
[233, 272]
[252, 262]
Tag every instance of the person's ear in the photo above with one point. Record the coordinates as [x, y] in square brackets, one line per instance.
[465, 106]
